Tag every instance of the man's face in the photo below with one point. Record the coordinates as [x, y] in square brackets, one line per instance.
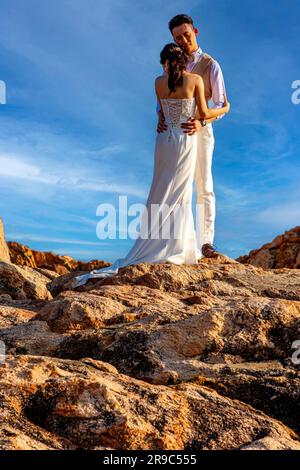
[186, 37]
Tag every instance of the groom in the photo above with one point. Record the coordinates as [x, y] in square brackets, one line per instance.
[185, 35]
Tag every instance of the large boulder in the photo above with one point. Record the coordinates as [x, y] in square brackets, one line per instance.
[23, 283]
[23, 255]
[159, 356]
[58, 404]
[4, 251]
[282, 252]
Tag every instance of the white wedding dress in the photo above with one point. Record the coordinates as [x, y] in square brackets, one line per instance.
[172, 187]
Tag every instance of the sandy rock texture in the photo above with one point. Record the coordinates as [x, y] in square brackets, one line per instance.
[4, 251]
[282, 252]
[160, 356]
[22, 255]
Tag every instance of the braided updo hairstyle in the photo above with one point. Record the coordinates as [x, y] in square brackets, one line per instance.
[177, 58]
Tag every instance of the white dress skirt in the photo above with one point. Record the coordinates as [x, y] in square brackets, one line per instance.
[167, 230]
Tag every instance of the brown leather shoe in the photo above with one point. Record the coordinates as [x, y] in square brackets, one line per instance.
[209, 250]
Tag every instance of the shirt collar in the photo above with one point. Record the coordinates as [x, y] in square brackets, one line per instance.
[197, 53]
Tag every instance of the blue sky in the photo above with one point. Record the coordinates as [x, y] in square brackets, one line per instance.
[78, 128]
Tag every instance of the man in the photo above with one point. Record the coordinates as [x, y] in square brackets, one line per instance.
[185, 35]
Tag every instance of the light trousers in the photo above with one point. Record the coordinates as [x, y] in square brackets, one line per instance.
[206, 204]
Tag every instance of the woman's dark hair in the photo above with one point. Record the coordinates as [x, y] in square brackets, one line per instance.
[178, 20]
[177, 58]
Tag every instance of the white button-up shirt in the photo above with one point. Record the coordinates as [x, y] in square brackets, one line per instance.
[216, 80]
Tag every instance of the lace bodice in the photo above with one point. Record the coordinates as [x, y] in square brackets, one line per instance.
[178, 110]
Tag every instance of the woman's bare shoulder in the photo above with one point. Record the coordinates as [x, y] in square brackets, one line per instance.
[160, 83]
[194, 77]
[160, 78]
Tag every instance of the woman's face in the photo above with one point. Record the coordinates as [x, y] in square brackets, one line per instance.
[186, 37]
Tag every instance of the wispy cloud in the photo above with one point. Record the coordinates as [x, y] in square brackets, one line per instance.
[37, 238]
[14, 166]
[281, 215]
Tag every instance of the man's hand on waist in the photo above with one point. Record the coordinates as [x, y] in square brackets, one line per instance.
[161, 126]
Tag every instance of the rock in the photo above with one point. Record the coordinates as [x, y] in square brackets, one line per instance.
[266, 443]
[237, 315]
[111, 305]
[76, 311]
[216, 276]
[4, 251]
[23, 282]
[158, 357]
[30, 338]
[282, 252]
[61, 283]
[22, 255]
[49, 403]
[48, 273]
[12, 316]
[253, 330]
[267, 385]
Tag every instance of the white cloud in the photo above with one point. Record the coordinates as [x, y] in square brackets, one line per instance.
[15, 166]
[233, 198]
[282, 215]
[39, 238]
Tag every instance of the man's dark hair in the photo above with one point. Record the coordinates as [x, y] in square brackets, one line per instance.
[178, 20]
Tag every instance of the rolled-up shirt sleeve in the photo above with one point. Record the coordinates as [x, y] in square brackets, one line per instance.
[217, 86]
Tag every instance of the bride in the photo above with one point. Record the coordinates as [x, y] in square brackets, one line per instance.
[179, 93]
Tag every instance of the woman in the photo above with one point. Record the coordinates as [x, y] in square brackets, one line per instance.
[170, 196]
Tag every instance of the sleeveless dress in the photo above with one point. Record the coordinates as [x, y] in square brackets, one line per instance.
[167, 231]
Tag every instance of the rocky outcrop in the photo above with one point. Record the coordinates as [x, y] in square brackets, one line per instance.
[22, 255]
[49, 403]
[282, 252]
[21, 283]
[4, 251]
[11, 315]
[159, 356]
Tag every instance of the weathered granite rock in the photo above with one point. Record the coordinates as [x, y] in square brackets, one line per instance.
[75, 311]
[282, 252]
[158, 357]
[23, 282]
[4, 251]
[22, 255]
[58, 404]
[30, 338]
[12, 316]
[269, 386]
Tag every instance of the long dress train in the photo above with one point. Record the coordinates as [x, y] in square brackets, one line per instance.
[166, 235]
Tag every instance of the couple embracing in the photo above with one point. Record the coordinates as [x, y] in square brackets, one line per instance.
[183, 153]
